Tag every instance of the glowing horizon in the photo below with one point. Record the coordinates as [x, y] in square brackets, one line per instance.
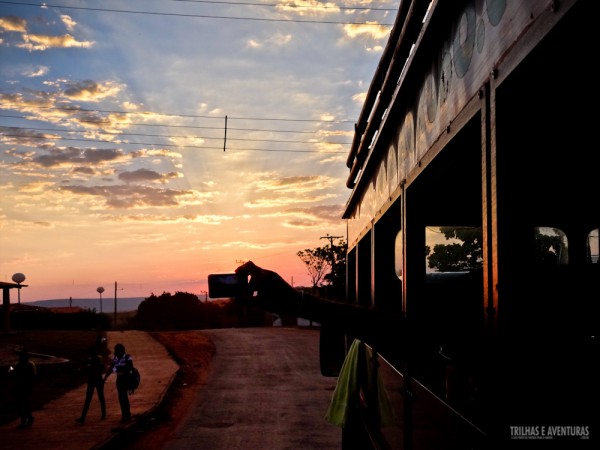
[153, 150]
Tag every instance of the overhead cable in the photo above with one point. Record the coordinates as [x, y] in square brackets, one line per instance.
[198, 16]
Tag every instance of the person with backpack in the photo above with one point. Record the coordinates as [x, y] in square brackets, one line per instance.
[122, 366]
[95, 369]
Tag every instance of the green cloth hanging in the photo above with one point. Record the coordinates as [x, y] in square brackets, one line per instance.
[345, 398]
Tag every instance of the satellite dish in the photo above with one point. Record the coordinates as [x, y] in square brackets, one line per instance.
[18, 278]
[100, 290]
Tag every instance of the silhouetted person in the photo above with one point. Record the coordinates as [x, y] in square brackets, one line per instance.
[24, 373]
[94, 368]
[121, 365]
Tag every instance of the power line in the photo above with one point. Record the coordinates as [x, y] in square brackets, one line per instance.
[198, 16]
[171, 136]
[283, 5]
[172, 145]
[167, 136]
[194, 116]
[197, 127]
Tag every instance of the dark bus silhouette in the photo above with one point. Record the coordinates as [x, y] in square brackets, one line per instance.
[474, 215]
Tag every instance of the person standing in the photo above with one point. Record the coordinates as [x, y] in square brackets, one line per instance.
[25, 372]
[121, 365]
[95, 369]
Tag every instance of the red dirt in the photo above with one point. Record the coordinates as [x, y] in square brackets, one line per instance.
[193, 352]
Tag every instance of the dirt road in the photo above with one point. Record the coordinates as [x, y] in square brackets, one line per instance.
[265, 391]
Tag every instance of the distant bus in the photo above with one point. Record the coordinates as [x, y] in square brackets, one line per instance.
[474, 214]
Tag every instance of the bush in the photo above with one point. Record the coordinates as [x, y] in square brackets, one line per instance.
[185, 311]
[45, 319]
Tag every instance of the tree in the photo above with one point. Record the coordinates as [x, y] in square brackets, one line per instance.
[317, 263]
[457, 256]
[182, 311]
[337, 275]
[327, 266]
[185, 311]
[466, 253]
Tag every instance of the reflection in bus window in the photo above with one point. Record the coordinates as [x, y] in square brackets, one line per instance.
[399, 262]
[453, 249]
[551, 246]
[593, 247]
[449, 313]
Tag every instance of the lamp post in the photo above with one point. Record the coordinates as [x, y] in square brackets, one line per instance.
[19, 278]
[100, 290]
[205, 296]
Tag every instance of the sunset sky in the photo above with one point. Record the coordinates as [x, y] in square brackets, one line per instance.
[153, 142]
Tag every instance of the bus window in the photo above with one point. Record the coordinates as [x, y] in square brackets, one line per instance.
[593, 247]
[449, 314]
[398, 259]
[551, 246]
[453, 249]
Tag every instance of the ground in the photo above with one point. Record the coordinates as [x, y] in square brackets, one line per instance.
[193, 352]
[52, 380]
[190, 349]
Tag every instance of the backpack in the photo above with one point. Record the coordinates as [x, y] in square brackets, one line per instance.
[134, 379]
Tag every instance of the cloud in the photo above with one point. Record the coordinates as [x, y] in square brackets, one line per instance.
[38, 187]
[92, 91]
[269, 191]
[249, 245]
[165, 218]
[320, 212]
[369, 30]
[253, 43]
[272, 201]
[84, 170]
[68, 21]
[40, 42]
[13, 23]
[56, 107]
[23, 136]
[146, 175]
[309, 7]
[360, 97]
[133, 196]
[72, 155]
[161, 152]
[275, 40]
[311, 216]
[303, 224]
[39, 71]
[293, 184]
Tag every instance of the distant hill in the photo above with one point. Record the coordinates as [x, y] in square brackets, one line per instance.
[108, 304]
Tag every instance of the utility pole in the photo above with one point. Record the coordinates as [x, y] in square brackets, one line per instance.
[332, 254]
[331, 238]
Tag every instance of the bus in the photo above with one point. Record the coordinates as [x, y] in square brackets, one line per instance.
[474, 215]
